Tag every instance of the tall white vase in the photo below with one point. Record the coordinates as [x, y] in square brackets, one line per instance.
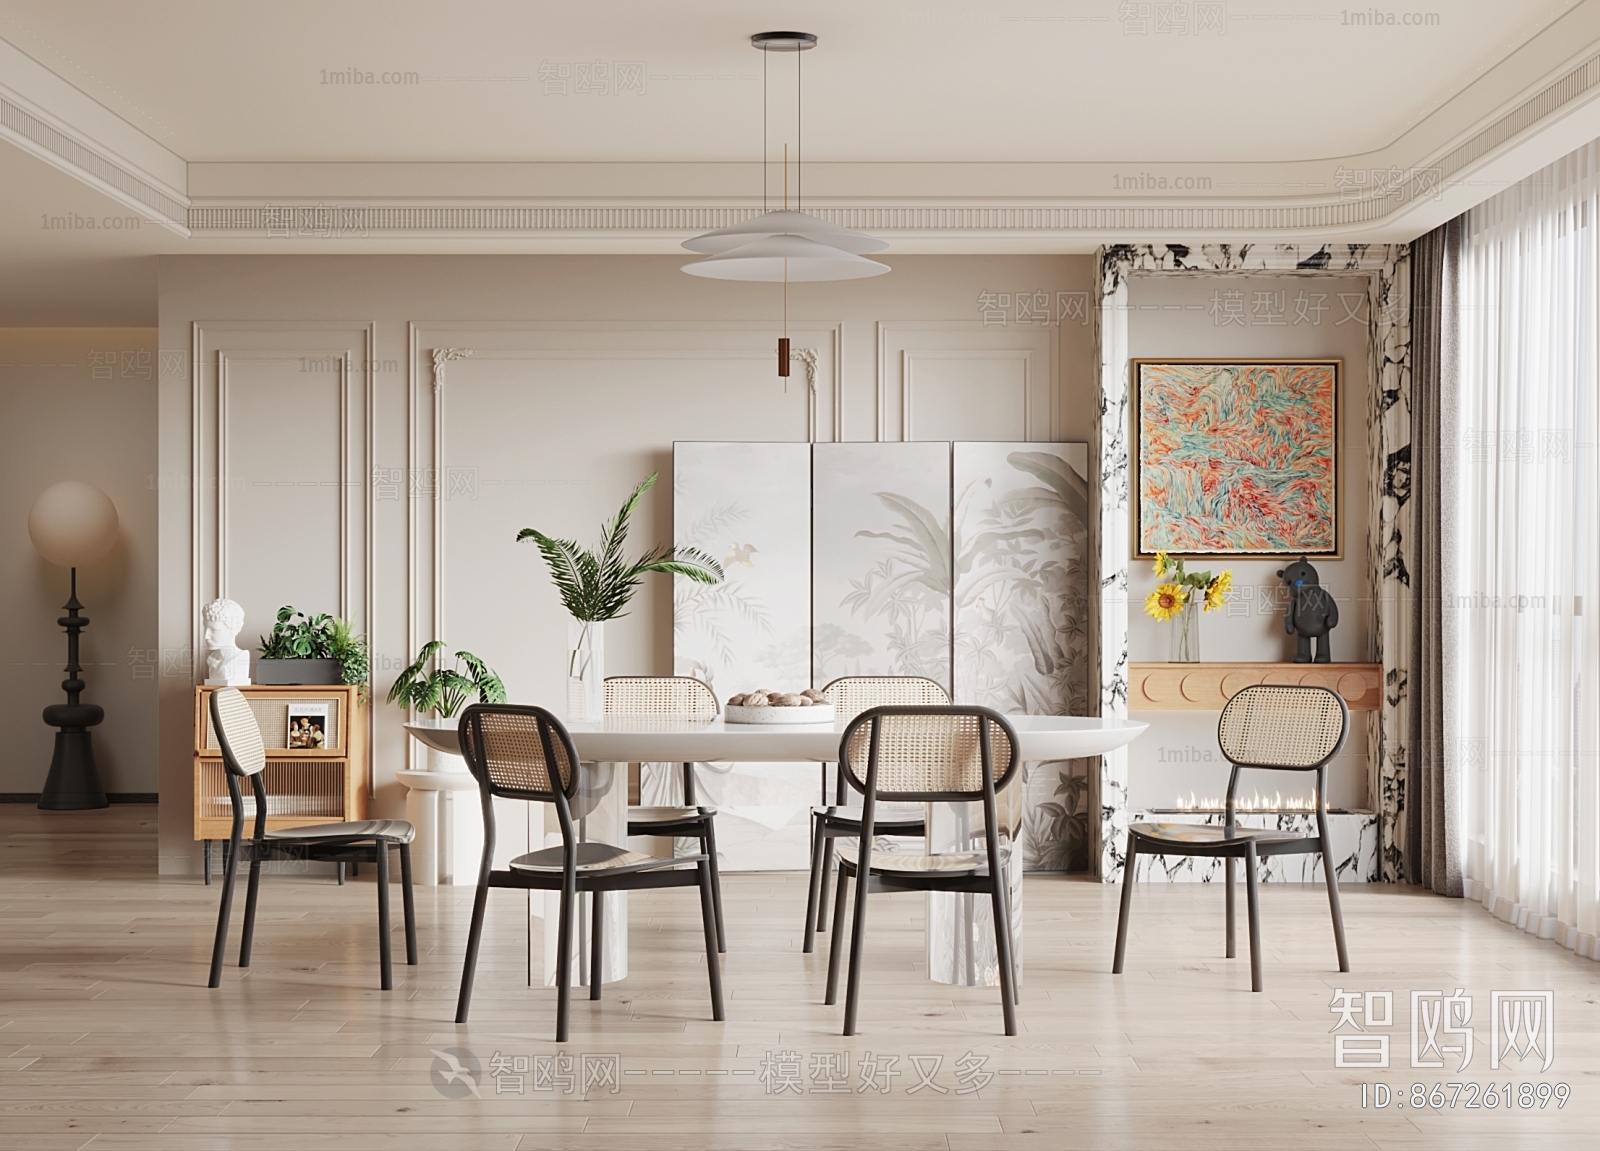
[586, 674]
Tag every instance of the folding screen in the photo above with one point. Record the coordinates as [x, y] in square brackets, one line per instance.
[841, 560]
[749, 505]
[880, 559]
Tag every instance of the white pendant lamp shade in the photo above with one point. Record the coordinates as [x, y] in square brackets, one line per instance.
[72, 523]
[786, 222]
[785, 259]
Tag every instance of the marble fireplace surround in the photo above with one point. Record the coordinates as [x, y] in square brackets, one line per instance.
[1373, 848]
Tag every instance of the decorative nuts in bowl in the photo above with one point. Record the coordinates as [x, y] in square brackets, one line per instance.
[764, 706]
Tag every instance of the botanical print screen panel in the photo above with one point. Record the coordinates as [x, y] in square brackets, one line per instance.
[881, 578]
[749, 505]
[1238, 458]
[1021, 615]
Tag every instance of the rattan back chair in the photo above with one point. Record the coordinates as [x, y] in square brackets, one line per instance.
[1264, 727]
[851, 695]
[677, 697]
[244, 756]
[925, 755]
[525, 753]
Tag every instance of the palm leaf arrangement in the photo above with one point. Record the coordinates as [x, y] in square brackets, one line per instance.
[597, 584]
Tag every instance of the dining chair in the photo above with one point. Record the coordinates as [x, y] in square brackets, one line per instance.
[524, 753]
[851, 695]
[927, 754]
[362, 840]
[674, 697]
[1266, 727]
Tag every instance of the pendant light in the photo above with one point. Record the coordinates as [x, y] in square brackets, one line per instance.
[787, 244]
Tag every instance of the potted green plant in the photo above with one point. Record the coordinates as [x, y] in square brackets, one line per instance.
[597, 584]
[444, 691]
[314, 649]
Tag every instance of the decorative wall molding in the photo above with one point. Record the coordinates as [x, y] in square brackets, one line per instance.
[966, 339]
[211, 369]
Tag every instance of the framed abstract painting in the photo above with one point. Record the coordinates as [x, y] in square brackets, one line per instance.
[1238, 458]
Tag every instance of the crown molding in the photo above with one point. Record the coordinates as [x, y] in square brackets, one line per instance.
[650, 207]
[50, 119]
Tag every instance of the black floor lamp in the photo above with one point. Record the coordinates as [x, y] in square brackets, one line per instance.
[73, 524]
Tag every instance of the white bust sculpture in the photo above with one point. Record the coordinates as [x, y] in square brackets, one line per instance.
[227, 664]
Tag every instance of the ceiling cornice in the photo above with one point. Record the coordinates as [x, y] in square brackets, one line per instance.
[1421, 179]
[48, 118]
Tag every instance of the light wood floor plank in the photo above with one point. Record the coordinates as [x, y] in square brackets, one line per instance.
[110, 1039]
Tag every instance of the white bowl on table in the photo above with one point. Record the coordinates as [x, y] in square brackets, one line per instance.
[738, 713]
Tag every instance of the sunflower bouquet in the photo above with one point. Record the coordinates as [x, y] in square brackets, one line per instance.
[1179, 587]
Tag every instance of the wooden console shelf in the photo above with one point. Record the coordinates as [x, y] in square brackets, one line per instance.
[325, 785]
[1208, 686]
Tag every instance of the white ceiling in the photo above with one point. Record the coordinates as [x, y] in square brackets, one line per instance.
[915, 80]
[948, 125]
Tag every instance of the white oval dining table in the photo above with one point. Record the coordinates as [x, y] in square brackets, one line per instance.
[960, 934]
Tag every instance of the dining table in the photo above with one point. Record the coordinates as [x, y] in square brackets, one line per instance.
[959, 927]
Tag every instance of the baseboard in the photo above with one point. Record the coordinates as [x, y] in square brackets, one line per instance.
[113, 796]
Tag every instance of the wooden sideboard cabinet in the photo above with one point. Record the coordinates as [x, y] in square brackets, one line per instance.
[328, 784]
[1209, 686]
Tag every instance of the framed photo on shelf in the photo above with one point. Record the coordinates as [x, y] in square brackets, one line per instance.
[1238, 458]
[308, 725]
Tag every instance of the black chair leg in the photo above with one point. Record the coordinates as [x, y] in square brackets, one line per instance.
[408, 904]
[832, 996]
[474, 936]
[858, 940]
[1255, 919]
[385, 949]
[597, 919]
[228, 871]
[1332, 880]
[1127, 902]
[569, 899]
[822, 887]
[713, 946]
[247, 938]
[1227, 905]
[208, 862]
[688, 785]
[709, 846]
[1002, 942]
[814, 891]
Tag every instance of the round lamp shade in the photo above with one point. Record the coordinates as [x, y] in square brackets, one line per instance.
[785, 257]
[72, 523]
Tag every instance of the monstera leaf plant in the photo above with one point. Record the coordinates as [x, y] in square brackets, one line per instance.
[446, 690]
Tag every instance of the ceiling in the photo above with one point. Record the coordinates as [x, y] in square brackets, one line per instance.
[504, 125]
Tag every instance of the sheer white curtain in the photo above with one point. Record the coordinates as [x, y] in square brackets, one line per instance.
[1529, 520]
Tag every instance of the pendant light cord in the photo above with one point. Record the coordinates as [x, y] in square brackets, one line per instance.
[799, 104]
[764, 152]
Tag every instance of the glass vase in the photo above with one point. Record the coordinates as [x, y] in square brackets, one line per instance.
[1186, 632]
[586, 674]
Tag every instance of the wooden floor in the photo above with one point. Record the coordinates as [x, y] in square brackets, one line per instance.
[111, 1039]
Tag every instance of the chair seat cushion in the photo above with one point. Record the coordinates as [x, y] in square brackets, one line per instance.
[393, 830]
[668, 814]
[596, 857]
[901, 813]
[944, 863]
[1209, 834]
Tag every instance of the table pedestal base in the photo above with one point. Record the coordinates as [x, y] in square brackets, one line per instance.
[600, 810]
[960, 926]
